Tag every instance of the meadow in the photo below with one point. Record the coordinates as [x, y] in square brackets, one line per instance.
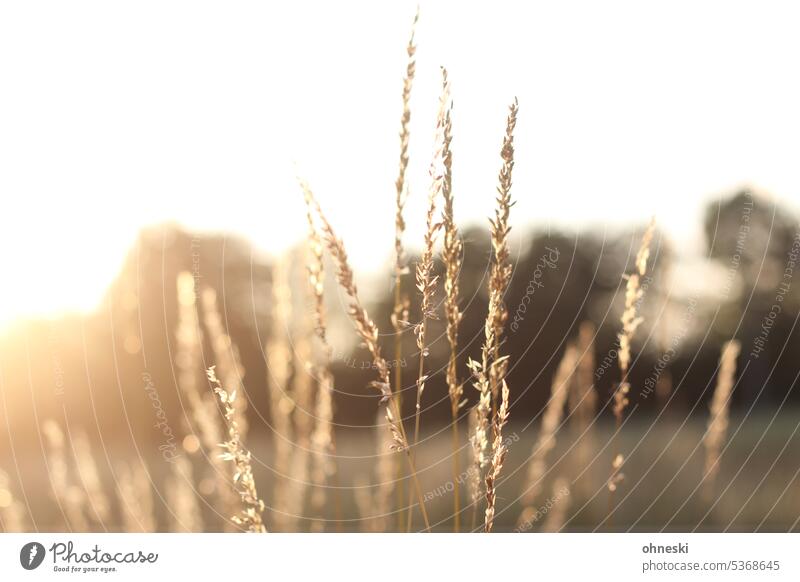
[426, 421]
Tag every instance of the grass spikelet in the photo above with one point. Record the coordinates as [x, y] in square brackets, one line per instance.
[203, 414]
[474, 472]
[499, 451]
[385, 476]
[188, 357]
[551, 419]
[405, 133]
[426, 280]
[451, 256]
[185, 513]
[479, 429]
[368, 332]
[718, 420]
[500, 275]
[631, 320]
[583, 399]
[135, 498]
[491, 370]
[226, 354]
[400, 309]
[249, 517]
[323, 445]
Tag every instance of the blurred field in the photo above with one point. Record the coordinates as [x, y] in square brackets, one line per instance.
[757, 488]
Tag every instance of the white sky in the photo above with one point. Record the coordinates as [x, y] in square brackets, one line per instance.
[119, 115]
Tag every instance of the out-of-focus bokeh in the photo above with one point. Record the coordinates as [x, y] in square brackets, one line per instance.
[155, 146]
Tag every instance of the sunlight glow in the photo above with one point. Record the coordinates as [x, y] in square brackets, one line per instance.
[198, 115]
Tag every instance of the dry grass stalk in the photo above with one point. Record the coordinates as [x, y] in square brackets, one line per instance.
[70, 498]
[135, 498]
[188, 358]
[185, 512]
[13, 516]
[250, 515]
[98, 502]
[583, 398]
[401, 302]
[303, 395]
[368, 332]
[499, 451]
[479, 431]
[322, 438]
[551, 419]
[631, 320]
[490, 372]
[385, 477]
[501, 270]
[718, 419]
[203, 412]
[451, 256]
[474, 473]
[226, 354]
[664, 382]
[557, 516]
[279, 357]
[426, 280]
[400, 311]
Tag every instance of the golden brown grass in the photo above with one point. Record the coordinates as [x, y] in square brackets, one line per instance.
[203, 420]
[490, 371]
[203, 416]
[499, 451]
[323, 445]
[249, 516]
[368, 332]
[401, 301]
[500, 275]
[386, 468]
[226, 354]
[718, 419]
[425, 278]
[630, 323]
[301, 385]
[451, 257]
[551, 420]
[474, 470]
[583, 400]
[631, 320]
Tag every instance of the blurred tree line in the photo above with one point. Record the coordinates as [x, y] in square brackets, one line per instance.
[90, 370]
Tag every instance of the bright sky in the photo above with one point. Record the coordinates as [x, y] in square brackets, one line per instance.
[119, 115]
